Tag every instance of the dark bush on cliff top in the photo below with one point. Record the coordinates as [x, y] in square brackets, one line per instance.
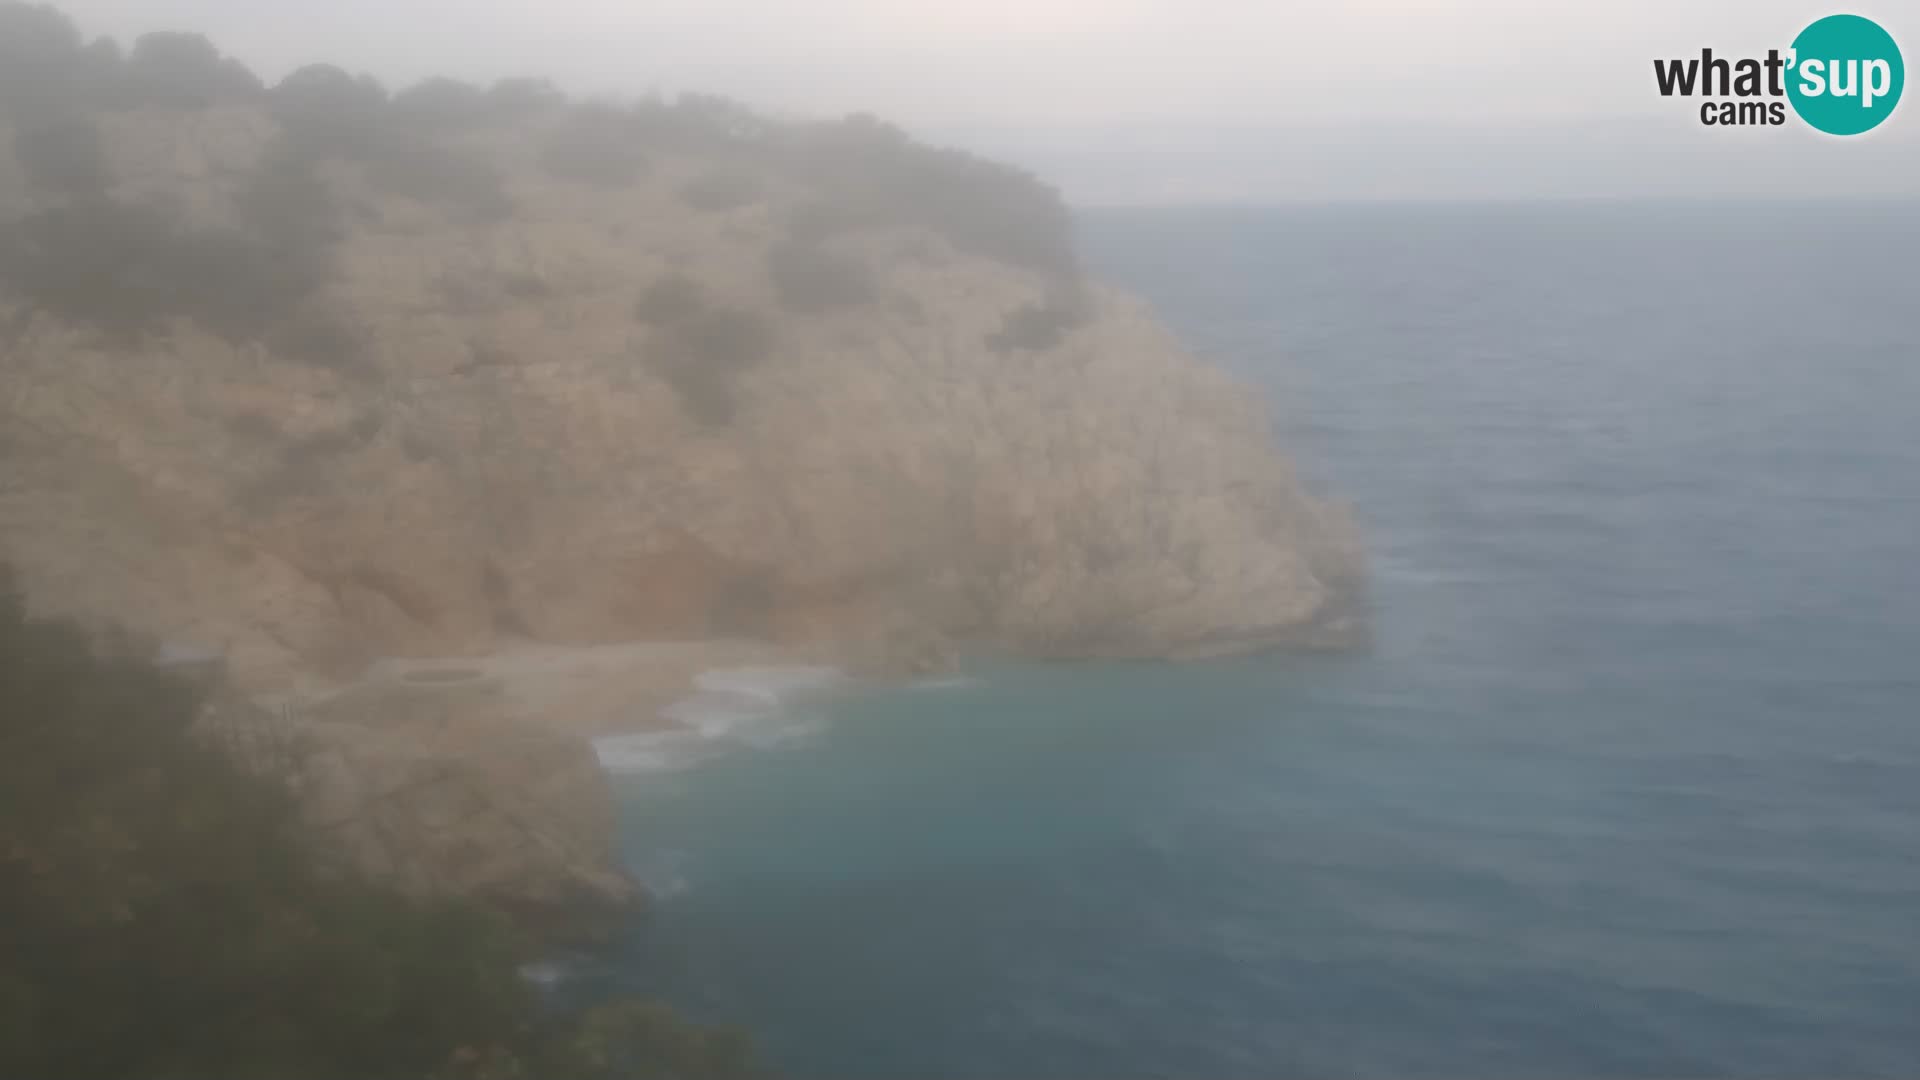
[40, 60]
[875, 172]
[159, 919]
[510, 97]
[325, 111]
[707, 124]
[438, 105]
[45, 70]
[185, 71]
[596, 148]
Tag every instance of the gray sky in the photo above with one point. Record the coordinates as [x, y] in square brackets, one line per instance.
[1155, 100]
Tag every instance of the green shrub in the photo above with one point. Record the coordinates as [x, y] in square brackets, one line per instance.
[874, 171]
[730, 338]
[63, 157]
[159, 917]
[812, 277]
[511, 97]
[593, 149]
[825, 218]
[323, 338]
[126, 269]
[1039, 326]
[438, 105]
[441, 176]
[703, 355]
[286, 201]
[323, 111]
[185, 71]
[720, 191]
[34, 36]
[670, 299]
[707, 124]
[39, 61]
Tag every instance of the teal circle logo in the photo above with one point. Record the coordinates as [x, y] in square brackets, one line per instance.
[1846, 75]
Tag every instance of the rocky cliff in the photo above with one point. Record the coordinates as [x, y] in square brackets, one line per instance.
[316, 375]
[432, 780]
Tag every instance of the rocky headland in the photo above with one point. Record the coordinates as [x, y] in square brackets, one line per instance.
[343, 387]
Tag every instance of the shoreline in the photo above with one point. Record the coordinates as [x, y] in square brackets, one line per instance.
[588, 691]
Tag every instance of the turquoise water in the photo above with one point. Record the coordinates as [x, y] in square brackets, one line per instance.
[1627, 785]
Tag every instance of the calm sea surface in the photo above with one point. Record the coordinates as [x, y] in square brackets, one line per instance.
[1628, 784]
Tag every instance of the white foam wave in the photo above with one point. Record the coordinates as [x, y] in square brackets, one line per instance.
[543, 973]
[664, 874]
[719, 713]
[651, 751]
[750, 706]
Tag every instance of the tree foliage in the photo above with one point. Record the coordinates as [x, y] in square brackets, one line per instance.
[47, 71]
[185, 71]
[669, 299]
[703, 351]
[159, 919]
[720, 191]
[39, 49]
[813, 277]
[324, 110]
[1040, 326]
[127, 268]
[438, 105]
[594, 147]
[878, 174]
[63, 156]
[865, 173]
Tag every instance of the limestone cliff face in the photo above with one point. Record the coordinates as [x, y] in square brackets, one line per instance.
[308, 392]
[509, 454]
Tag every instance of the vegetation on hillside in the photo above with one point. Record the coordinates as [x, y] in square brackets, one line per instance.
[703, 347]
[158, 918]
[1041, 325]
[129, 267]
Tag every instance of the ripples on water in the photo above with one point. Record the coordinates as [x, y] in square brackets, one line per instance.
[1628, 785]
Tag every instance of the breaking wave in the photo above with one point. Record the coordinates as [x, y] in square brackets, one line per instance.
[757, 707]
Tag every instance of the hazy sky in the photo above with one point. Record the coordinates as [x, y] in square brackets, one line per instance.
[1155, 100]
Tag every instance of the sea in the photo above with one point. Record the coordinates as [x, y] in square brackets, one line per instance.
[1627, 782]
